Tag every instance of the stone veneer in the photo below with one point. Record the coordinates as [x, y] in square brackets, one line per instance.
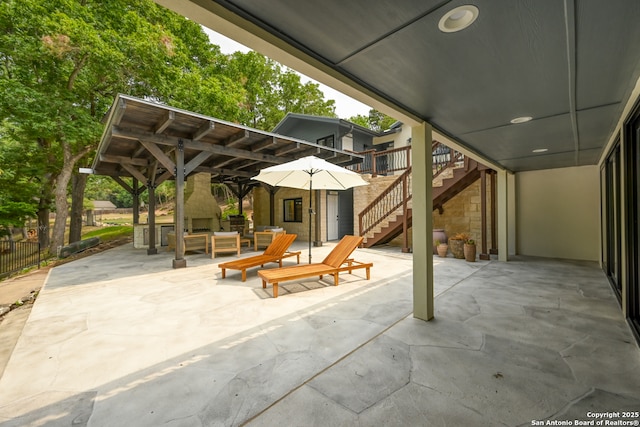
[460, 214]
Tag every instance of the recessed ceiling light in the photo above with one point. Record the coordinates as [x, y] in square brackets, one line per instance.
[523, 119]
[458, 19]
[540, 150]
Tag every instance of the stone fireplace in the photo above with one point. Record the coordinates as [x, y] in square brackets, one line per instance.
[201, 211]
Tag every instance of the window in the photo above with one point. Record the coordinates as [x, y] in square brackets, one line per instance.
[292, 210]
[327, 141]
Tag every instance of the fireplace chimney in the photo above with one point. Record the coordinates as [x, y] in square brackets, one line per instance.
[201, 211]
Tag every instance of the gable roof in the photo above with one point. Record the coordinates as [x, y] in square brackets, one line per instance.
[291, 118]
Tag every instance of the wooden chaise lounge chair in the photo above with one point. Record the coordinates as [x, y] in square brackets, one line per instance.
[337, 261]
[275, 252]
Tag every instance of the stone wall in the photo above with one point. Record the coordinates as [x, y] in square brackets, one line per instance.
[462, 214]
[261, 211]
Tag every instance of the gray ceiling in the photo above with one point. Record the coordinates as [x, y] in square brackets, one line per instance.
[571, 65]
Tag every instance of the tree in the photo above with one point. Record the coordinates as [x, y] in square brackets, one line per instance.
[270, 93]
[64, 61]
[376, 121]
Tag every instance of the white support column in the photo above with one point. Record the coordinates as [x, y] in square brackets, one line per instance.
[503, 228]
[422, 179]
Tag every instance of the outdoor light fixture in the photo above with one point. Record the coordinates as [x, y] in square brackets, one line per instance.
[540, 150]
[458, 19]
[523, 119]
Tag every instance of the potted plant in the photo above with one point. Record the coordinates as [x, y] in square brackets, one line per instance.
[470, 250]
[456, 243]
[442, 249]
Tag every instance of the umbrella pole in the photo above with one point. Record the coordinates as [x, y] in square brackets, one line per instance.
[310, 213]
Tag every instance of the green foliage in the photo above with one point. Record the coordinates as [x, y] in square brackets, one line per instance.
[110, 233]
[231, 210]
[376, 121]
[360, 120]
[270, 91]
[62, 62]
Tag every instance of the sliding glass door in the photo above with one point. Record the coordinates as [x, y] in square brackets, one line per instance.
[611, 219]
[632, 194]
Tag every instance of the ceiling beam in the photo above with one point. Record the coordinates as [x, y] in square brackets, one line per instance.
[135, 172]
[203, 130]
[267, 143]
[108, 158]
[123, 184]
[162, 178]
[167, 118]
[225, 172]
[237, 138]
[153, 148]
[195, 145]
[195, 162]
[120, 110]
[288, 148]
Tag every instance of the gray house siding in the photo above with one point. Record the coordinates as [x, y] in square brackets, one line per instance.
[312, 129]
[345, 211]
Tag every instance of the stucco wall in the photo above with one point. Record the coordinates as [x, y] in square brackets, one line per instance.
[261, 211]
[557, 213]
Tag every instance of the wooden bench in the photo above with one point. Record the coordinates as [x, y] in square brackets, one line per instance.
[336, 262]
[275, 252]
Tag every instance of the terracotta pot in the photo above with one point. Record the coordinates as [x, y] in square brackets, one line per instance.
[470, 252]
[438, 234]
[457, 248]
[443, 248]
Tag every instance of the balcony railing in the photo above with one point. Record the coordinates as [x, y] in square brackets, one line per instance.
[399, 159]
[384, 162]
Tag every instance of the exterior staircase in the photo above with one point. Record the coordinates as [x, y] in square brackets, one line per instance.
[390, 214]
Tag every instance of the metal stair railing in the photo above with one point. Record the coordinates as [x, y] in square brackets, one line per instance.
[395, 196]
[399, 192]
[444, 157]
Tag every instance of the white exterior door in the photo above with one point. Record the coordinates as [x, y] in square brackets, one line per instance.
[332, 215]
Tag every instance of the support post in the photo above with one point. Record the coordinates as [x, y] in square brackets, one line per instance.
[318, 240]
[179, 261]
[494, 239]
[136, 201]
[503, 215]
[152, 250]
[272, 205]
[484, 255]
[423, 293]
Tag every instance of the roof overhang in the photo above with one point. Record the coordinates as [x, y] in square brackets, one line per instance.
[140, 138]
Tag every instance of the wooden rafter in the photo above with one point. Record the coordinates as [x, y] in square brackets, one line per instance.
[203, 130]
[167, 118]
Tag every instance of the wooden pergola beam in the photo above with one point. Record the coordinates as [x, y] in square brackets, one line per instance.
[167, 118]
[195, 145]
[204, 129]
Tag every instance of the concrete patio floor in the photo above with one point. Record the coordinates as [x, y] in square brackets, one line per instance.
[121, 338]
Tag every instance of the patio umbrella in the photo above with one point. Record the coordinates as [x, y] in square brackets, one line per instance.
[310, 173]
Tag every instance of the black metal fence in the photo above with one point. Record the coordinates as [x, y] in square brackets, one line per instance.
[14, 256]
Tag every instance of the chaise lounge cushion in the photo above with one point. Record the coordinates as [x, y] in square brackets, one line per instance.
[333, 264]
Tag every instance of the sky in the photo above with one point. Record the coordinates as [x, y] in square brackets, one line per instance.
[345, 106]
